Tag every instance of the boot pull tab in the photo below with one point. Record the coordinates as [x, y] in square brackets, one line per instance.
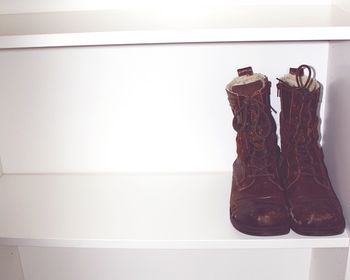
[293, 71]
[247, 71]
[300, 73]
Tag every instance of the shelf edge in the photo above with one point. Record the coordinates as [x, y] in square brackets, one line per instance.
[341, 242]
[175, 36]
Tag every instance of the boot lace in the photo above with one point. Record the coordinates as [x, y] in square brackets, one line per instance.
[303, 139]
[251, 114]
[304, 142]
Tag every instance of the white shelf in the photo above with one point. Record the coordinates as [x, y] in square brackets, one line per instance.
[129, 211]
[240, 23]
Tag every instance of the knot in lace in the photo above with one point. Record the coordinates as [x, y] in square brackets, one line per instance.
[252, 117]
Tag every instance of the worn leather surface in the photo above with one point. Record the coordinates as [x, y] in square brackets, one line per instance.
[314, 207]
[257, 203]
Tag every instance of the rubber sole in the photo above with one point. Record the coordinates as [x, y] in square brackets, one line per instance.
[317, 231]
[261, 231]
[285, 229]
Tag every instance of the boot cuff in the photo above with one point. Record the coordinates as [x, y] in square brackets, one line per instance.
[292, 82]
[246, 79]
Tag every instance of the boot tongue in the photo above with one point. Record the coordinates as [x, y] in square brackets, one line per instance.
[257, 133]
[248, 89]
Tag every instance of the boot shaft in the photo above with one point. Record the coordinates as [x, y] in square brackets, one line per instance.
[299, 128]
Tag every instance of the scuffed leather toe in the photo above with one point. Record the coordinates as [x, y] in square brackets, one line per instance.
[322, 217]
[260, 218]
[269, 216]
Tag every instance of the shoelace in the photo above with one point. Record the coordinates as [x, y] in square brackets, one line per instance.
[302, 138]
[256, 135]
[304, 157]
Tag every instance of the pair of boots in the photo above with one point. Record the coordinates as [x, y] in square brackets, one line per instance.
[273, 190]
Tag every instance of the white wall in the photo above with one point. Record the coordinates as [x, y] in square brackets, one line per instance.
[343, 4]
[131, 108]
[336, 127]
[336, 121]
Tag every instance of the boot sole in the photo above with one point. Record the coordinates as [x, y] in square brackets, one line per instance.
[317, 231]
[261, 231]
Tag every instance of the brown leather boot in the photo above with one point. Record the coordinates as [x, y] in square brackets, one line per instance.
[257, 205]
[314, 207]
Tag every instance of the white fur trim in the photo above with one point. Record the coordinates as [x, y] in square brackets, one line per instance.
[246, 79]
[291, 81]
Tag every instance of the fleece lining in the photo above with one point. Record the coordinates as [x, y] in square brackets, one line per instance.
[291, 81]
[246, 79]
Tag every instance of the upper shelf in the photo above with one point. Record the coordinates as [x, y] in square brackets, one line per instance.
[173, 211]
[227, 24]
